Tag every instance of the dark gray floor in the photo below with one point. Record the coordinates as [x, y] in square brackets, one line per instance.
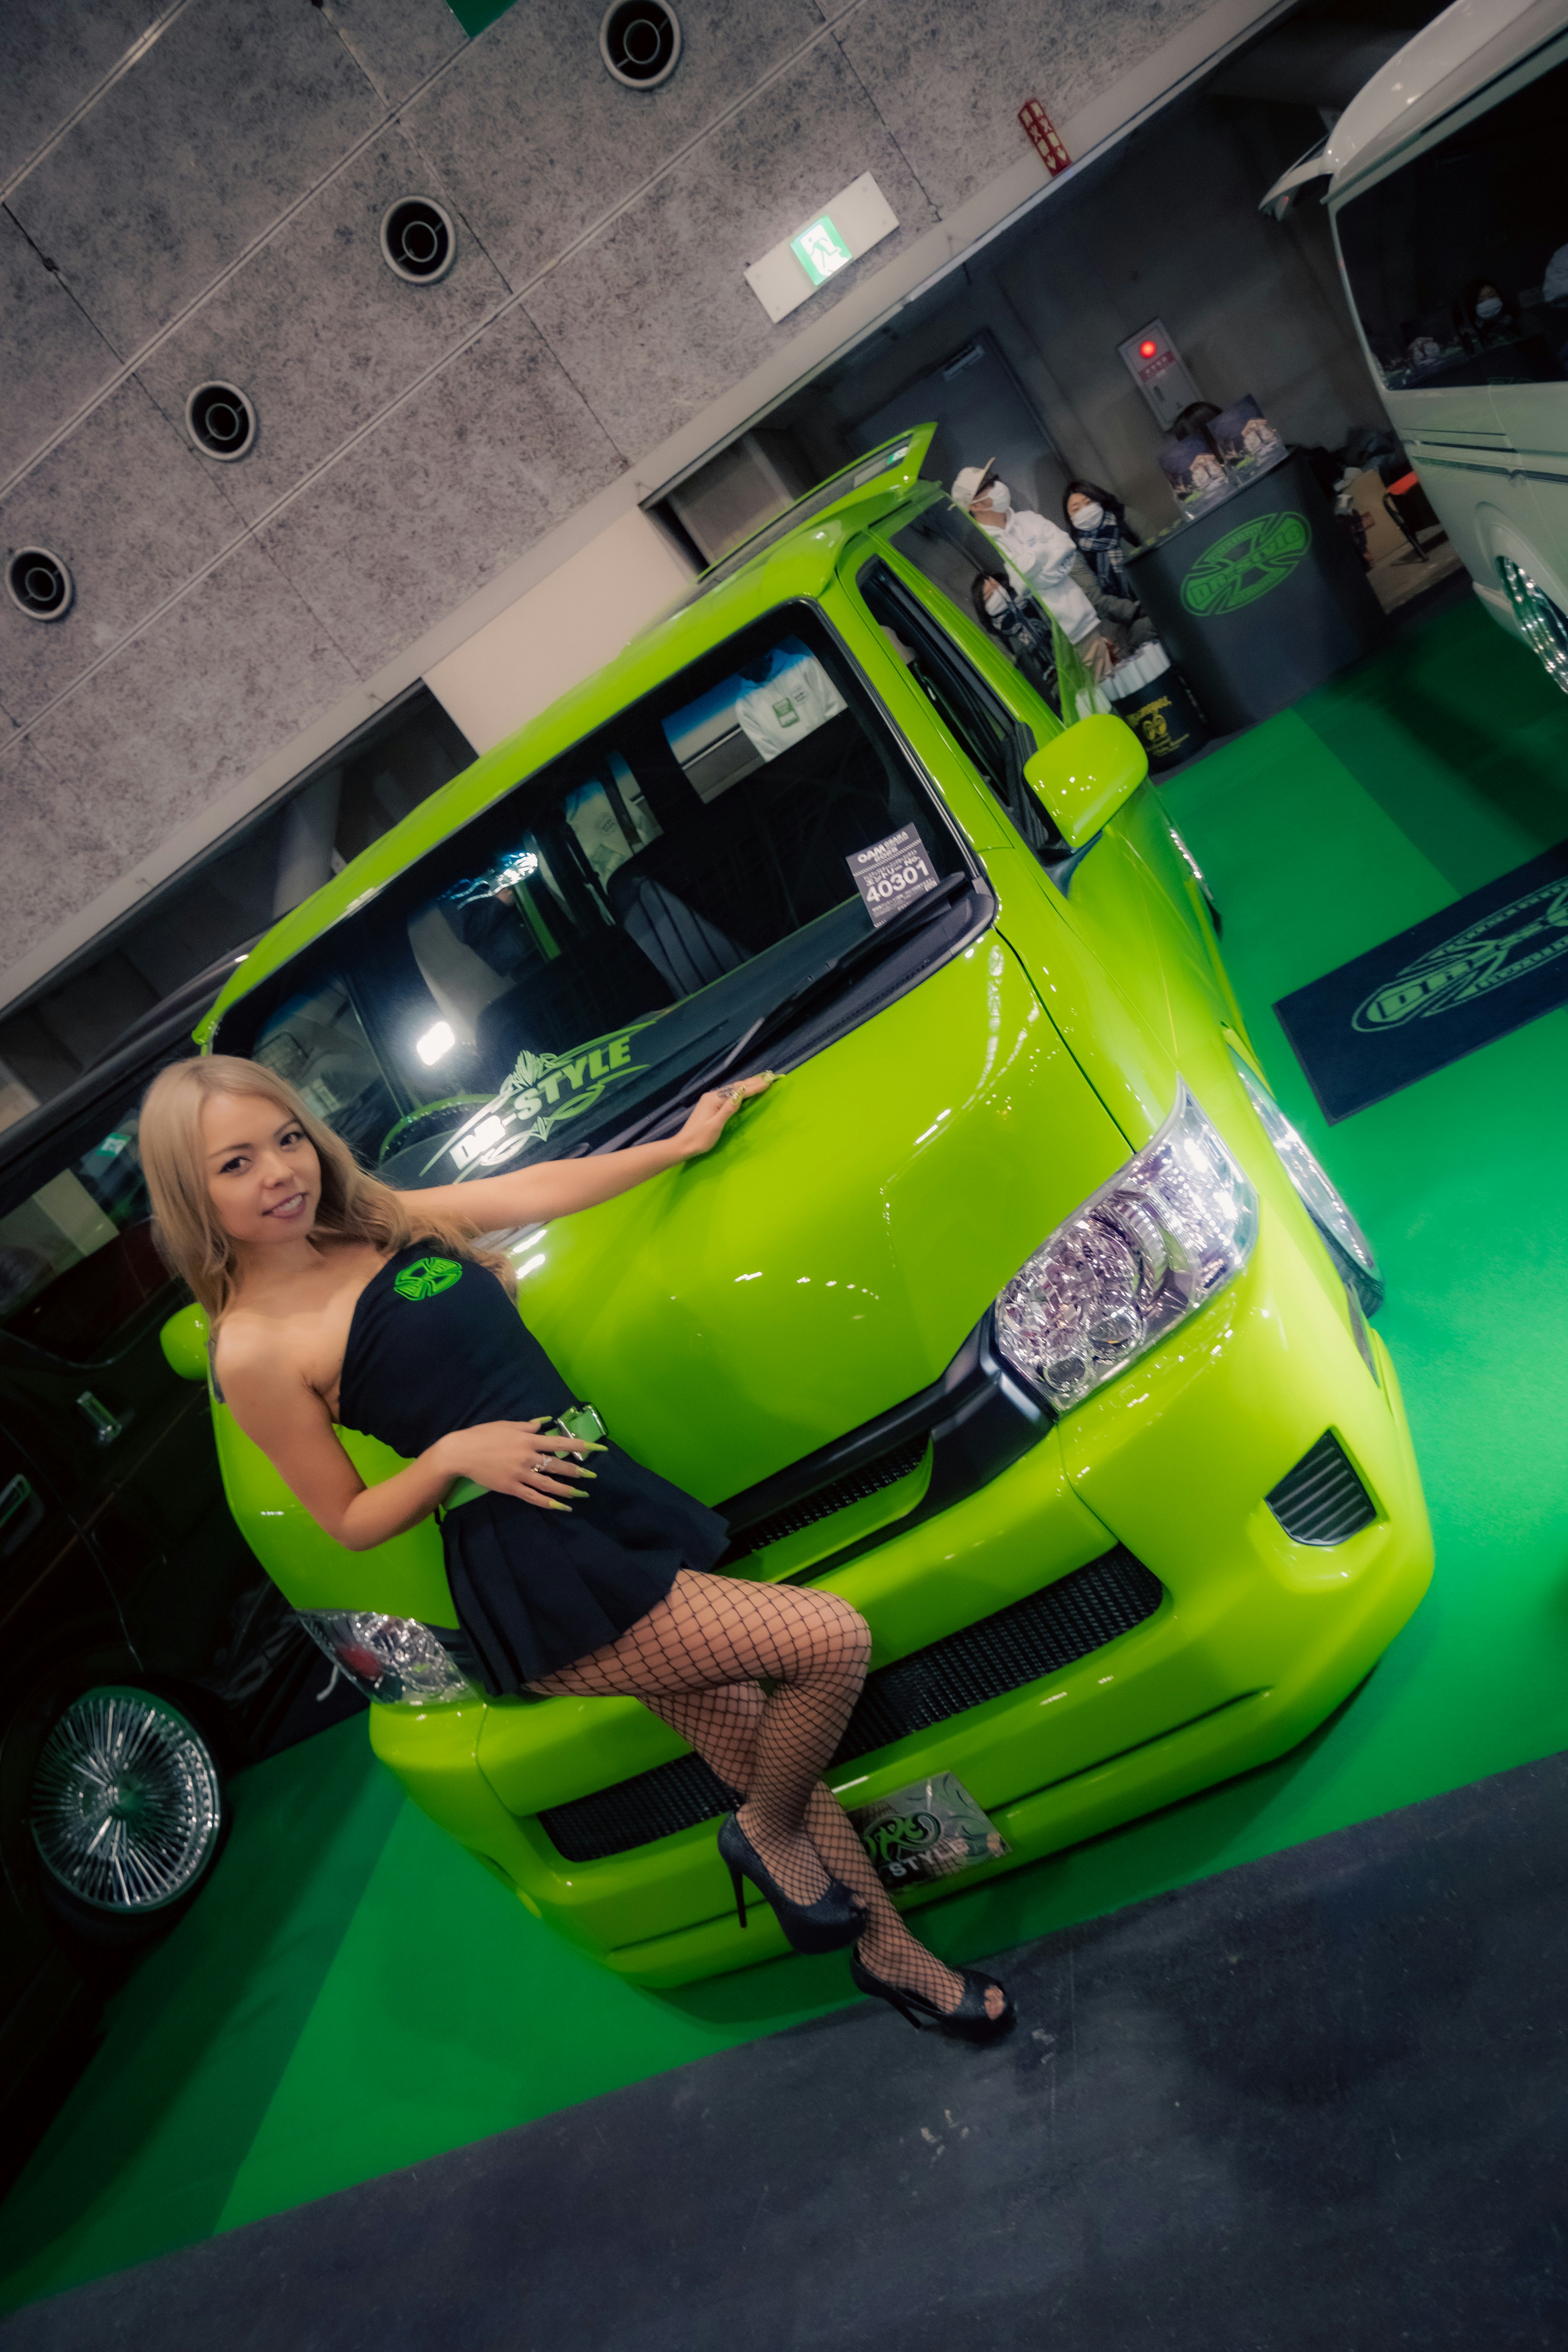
[1316, 2105]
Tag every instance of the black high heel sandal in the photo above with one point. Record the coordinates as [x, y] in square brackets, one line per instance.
[970, 2021]
[833, 1919]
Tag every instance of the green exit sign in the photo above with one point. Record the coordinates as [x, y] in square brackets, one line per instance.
[820, 251]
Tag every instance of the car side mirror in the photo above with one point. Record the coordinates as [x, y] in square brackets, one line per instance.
[183, 1339]
[1085, 774]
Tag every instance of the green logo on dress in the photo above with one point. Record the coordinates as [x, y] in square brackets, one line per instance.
[1246, 564]
[427, 1277]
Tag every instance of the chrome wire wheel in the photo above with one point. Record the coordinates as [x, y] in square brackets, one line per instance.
[1543, 624]
[127, 1804]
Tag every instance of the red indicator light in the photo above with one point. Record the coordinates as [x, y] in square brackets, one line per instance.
[1146, 349]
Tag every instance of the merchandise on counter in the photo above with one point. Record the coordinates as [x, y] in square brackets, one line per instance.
[1245, 440]
[1196, 475]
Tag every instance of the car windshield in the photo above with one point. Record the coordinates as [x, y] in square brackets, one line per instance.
[614, 931]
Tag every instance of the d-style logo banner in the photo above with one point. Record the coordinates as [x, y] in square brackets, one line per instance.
[1467, 974]
[1248, 561]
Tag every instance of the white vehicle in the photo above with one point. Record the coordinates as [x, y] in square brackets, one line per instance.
[1448, 190]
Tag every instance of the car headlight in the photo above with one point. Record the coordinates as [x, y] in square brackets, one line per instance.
[396, 1661]
[1143, 1253]
[1348, 1245]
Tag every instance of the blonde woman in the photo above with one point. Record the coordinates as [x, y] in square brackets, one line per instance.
[334, 1298]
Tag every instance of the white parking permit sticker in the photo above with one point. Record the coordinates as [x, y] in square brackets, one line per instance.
[891, 872]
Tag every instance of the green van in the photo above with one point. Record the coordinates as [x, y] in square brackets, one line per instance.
[1016, 1312]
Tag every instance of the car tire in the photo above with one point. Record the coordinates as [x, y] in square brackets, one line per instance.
[128, 1813]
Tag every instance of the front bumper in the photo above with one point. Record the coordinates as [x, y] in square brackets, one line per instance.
[1257, 1638]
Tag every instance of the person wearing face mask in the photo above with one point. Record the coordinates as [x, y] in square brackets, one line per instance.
[1097, 521]
[1039, 555]
[1483, 316]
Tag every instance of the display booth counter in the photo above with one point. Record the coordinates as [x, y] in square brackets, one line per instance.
[1258, 598]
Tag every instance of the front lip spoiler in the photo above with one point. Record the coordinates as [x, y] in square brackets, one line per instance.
[979, 1417]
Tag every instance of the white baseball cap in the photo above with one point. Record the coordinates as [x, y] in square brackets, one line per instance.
[966, 485]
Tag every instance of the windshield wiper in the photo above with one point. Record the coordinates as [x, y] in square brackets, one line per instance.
[787, 1014]
[781, 1019]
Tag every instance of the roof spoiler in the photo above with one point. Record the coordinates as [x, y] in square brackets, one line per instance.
[1317, 163]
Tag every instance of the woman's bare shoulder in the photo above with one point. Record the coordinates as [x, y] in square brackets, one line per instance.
[250, 1342]
[297, 1331]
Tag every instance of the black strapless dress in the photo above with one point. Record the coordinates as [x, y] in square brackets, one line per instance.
[437, 1345]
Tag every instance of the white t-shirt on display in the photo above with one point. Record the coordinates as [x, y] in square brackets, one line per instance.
[798, 697]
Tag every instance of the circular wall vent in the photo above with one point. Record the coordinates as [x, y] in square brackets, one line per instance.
[639, 40]
[418, 240]
[39, 584]
[220, 420]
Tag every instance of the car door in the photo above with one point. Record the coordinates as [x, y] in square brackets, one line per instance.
[42, 1554]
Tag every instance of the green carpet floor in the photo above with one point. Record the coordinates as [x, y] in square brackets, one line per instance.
[353, 1994]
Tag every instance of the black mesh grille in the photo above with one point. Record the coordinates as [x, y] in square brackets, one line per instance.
[1037, 1636]
[886, 1470]
[1078, 1614]
[656, 1805]
[1323, 1501]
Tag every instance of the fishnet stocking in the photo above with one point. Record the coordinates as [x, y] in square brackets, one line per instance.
[718, 1630]
[695, 1659]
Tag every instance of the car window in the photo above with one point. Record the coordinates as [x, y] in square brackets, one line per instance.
[969, 707]
[78, 1260]
[616, 924]
[960, 561]
[1458, 261]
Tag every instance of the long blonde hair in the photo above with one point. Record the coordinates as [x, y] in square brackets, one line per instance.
[354, 1206]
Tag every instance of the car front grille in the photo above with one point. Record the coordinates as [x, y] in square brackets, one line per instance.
[1323, 1501]
[884, 1470]
[1035, 1636]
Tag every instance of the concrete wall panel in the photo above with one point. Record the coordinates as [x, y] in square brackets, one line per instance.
[176, 716]
[947, 77]
[68, 52]
[396, 43]
[447, 489]
[56, 853]
[134, 511]
[538, 141]
[319, 330]
[237, 111]
[213, 210]
[52, 357]
[673, 264]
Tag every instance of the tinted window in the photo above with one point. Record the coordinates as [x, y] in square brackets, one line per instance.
[960, 560]
[1458, 261]
[592, 944]
[995, 742]
[77, 1257]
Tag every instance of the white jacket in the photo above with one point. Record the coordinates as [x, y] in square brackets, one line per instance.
[1041, 553]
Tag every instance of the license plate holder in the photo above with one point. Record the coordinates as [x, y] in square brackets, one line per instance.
[929, 1829]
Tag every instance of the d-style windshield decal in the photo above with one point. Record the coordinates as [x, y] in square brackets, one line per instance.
[542, 1092]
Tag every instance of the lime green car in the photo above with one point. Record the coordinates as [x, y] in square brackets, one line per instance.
[1017, 1313]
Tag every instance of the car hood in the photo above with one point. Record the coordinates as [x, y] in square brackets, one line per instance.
[829, 1257]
